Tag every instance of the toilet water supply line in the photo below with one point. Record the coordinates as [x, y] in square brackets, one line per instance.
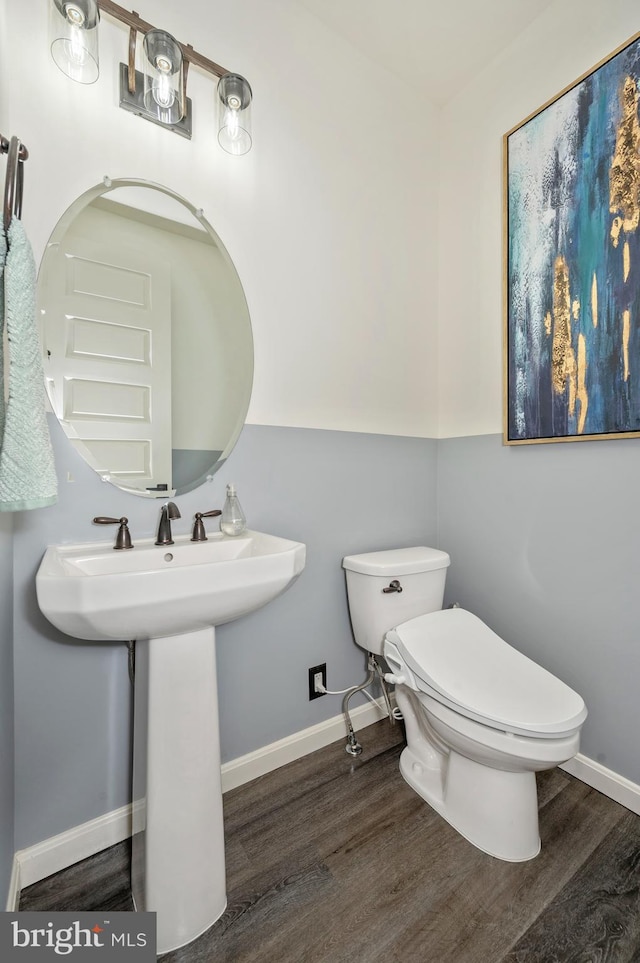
[353, 747]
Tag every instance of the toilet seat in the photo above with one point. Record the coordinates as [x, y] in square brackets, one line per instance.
[457, 659]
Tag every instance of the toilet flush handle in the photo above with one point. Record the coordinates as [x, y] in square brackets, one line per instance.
[393, 587]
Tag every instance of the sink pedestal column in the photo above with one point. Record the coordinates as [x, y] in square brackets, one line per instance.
[178, 832]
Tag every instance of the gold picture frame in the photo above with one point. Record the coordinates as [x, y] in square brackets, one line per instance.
[571, 180]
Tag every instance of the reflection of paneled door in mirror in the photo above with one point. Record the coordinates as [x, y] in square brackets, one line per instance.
[107, 347]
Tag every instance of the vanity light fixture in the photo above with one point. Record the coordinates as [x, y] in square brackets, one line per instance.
[73, 28]
[158, 92]
[163, 83]
[234, 114]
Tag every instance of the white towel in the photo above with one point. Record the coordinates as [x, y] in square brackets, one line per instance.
[27, 470]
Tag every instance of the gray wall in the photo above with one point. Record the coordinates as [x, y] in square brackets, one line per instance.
[6, 595]
[544, 542]
[339, 492]
[545, 547]
[6, 706]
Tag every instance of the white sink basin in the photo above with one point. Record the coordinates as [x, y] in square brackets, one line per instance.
[93, 592]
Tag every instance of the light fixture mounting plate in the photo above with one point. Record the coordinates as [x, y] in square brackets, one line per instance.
[135, 104]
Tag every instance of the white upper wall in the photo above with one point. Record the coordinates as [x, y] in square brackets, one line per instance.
[435, 47]
[373, 309]
[567, 40]
[330, 220]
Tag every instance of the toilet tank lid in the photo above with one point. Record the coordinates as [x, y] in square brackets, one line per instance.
[397, 561]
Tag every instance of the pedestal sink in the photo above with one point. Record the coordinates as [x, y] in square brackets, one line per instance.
[169, 599]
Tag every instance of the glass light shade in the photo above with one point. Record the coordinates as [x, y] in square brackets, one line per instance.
[163, 76]
[234, 114]
[73, 26]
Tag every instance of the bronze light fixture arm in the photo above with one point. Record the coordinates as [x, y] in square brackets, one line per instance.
[138, 25]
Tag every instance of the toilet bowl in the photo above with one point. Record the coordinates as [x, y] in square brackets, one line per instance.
[481, 718]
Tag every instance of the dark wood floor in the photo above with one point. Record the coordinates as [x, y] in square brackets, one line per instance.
[335, 860]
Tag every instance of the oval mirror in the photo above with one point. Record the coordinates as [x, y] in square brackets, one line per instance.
[146, 335]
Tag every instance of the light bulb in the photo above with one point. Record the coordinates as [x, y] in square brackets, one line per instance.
[163, 76]
[77, 51]
[163, 92]
[74, 15]
[234, 123]
[233, 127]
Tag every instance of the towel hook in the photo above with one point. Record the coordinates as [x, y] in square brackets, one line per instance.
[14, 183]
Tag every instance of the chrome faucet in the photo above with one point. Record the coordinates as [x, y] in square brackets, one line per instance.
[167, 512]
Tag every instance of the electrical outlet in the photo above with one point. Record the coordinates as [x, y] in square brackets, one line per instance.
[318, 673]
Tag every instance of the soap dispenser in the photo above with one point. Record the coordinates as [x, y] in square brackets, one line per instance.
[232, 520]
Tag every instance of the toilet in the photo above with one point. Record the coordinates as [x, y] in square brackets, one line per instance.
[481, 718]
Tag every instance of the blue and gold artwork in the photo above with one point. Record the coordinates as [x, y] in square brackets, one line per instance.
[572, 226]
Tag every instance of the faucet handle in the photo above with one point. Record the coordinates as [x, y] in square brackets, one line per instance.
[199, 533]
[123, 536]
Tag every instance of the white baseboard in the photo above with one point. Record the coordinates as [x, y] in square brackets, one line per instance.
[56, 853]
[13, 896]
[605, 781]
[245, 768]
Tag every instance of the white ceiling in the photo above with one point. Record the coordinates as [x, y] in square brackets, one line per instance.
[436, 45]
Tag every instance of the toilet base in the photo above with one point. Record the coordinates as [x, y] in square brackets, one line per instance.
[496, 811]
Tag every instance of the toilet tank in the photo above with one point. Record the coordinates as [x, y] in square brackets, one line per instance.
[421, 574]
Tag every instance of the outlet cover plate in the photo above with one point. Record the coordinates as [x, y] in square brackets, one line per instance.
[322, 669]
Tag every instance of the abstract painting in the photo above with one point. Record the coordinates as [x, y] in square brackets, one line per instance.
[572, 261]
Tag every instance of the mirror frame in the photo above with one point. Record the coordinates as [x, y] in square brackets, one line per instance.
[79, 204]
